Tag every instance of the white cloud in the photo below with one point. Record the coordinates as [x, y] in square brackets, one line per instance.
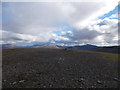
[37, 21]
[11, 37]
[99, 32]
[114, 16]
[59, 38]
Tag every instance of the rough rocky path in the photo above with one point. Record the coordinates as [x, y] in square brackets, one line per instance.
[57, 68]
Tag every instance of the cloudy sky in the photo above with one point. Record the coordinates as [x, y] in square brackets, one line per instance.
[63, 23]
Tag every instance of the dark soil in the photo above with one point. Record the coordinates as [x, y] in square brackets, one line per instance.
[57, 68]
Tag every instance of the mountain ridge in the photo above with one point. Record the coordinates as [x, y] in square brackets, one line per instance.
[110, 49]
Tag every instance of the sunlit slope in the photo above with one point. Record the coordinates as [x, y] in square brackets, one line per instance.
[106, 55]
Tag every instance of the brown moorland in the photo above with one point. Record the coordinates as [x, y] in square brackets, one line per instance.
[58, 68]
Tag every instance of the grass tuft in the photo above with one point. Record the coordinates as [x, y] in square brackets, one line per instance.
[21, 77]
[9, 49]
[108, 56]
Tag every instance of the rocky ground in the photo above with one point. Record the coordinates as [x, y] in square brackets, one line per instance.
[0, 69]
[57, 68]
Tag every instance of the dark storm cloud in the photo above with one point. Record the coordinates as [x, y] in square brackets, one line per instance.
[84, 34]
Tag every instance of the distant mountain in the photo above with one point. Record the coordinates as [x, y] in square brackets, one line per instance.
[83, 47]
[6, 46]
[45, 46]
[110, 49]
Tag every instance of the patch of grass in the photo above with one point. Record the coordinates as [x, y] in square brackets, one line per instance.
[42, 72]
[67, 85]
[21, 77]
[108, 56]
[44, 62]
[83, 51]
[6, 50]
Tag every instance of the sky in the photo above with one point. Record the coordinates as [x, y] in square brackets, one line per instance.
[60, 23]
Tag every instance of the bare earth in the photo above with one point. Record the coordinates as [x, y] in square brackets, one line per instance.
[57, 68]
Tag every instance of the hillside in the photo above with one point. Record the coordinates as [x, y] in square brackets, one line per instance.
[86, 47]
[82, 47]
[110, 49]
[7, 46]
[45, 46]
[58, 68]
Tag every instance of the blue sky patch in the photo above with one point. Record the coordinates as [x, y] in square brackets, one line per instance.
[114, 11]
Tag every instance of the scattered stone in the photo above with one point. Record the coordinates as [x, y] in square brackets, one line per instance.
[21, 81]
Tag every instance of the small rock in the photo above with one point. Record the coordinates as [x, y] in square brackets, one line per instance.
[81, 79]
[116, 79]
[60, 58]
[4, 80]
[50, 85]
[56, 80]
[99, 82]
[92, 86]
[72, 79]
[14, 83]
[44, 86]
[21, 81]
